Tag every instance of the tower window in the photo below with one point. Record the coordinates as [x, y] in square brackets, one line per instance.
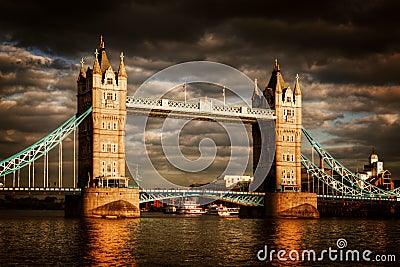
[114, 168]
[103, 170]
[114, 148]
[109, 80]
[288, 112]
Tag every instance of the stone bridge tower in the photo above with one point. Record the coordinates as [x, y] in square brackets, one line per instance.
[287, 105]
[283, 183]
[101, 152]
[101, 159]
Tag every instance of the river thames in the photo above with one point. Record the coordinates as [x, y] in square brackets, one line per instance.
[46, 238]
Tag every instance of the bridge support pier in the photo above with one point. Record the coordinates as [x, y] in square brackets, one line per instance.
[104, 203]
[110, 202]
[291, 205]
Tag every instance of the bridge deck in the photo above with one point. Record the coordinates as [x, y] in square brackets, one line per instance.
[198, 110]
[149, 195]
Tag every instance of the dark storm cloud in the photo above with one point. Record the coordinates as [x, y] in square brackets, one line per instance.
[374, 69]
[382, 132]
[144, 27]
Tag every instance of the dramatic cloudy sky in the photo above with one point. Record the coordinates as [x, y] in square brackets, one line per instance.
[346, 53]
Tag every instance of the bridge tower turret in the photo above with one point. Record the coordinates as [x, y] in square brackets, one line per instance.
[101, 152]
[101, 159]
[287, 105]
[285, 174]
[283, 183]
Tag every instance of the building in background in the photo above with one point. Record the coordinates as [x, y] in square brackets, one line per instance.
[232, 180]
[375, 174]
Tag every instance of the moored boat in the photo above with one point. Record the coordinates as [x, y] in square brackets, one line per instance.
[170, 209]
[190, 207]
[222, 210]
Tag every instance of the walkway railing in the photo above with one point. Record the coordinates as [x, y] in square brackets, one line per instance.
[201, 109]
[242, 198]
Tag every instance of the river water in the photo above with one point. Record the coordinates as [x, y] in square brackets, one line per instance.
[46, 238]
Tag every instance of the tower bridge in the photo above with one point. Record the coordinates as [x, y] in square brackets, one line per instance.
[100, 180]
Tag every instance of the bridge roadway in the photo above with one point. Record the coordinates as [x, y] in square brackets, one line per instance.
[149, 195]
[201, 109]
[358, 198]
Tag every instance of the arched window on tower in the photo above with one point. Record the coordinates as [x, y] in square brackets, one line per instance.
[109, 96]
[114, 168]
[103, 168]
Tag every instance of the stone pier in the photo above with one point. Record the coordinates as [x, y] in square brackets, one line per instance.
[291, 205]
[104, 203]
[110, 202]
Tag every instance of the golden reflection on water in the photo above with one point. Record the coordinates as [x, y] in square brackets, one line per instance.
[289, 234]
[111, 242]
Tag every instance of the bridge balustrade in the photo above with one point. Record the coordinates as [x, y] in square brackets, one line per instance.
[200, 106]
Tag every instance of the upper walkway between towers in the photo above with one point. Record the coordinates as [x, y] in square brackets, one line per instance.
[200, 109]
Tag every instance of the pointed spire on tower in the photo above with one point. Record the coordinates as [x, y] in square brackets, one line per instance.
[297, 90]
[256, 99]
[101, 42]
[276, 66]
[276, 77]
[82, 74]
[278, 88]
[96, 65]
[122, 70]
[255, 87]
[102, 57]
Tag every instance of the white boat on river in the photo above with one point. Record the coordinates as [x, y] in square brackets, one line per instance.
[222, 210]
